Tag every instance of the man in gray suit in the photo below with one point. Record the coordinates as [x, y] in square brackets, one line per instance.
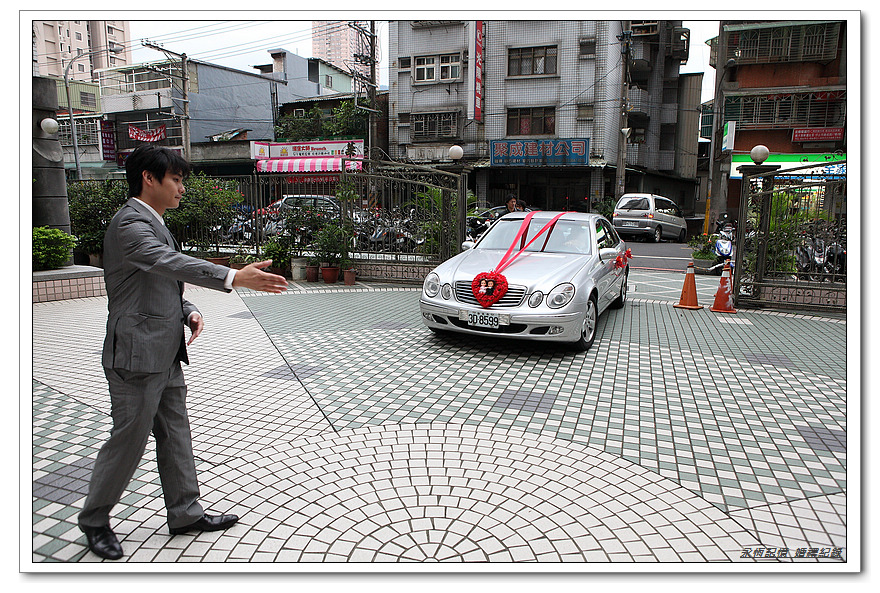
[144, 273]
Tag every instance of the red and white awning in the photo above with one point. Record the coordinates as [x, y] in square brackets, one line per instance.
[305, 165]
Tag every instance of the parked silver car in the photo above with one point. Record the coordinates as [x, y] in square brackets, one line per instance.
[557, 287]
[650, 216]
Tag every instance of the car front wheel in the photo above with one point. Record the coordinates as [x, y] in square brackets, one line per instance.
[620, 301]
[588, 329]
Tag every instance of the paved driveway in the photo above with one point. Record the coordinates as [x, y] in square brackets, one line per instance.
[341, 429]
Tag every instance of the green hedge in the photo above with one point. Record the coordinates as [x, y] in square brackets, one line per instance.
[207, 204]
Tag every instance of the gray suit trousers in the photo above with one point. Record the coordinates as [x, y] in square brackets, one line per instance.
[142, 403]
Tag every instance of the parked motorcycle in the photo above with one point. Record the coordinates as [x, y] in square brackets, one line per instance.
[476, 227]
[835, 262]
[835, 252]
[723, 248]
[810, 257]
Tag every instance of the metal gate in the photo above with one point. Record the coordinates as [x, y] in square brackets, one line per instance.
[401, 219]
[791, 239]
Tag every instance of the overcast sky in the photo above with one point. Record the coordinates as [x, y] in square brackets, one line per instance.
[244, 44]
[236, 44]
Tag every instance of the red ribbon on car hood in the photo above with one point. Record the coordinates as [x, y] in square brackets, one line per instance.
[489, 287]
[507, 259]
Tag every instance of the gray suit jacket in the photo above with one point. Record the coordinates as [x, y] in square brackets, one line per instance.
[144, 274]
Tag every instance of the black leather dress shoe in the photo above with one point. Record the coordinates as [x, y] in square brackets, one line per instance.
[103, 542]
[207, 523]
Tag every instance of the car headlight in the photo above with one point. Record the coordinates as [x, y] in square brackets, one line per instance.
[560, 296]
[536, 298]
[446, 291]
[432, 284]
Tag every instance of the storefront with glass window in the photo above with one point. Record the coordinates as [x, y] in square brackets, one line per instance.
[548, 174]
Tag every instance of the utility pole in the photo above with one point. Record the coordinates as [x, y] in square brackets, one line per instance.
[184, 124]
[623, 132]
[372, 90]
[369, 59]
[717, 179]
[184, 93]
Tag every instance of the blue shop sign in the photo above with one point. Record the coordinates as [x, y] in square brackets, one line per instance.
[553, 152]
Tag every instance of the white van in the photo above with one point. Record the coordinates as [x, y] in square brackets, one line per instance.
[650, 216]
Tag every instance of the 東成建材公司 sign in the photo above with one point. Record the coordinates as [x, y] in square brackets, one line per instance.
[551, 152]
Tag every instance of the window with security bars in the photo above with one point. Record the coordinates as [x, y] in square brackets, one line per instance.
[531, 61]
[815, 40]
[531, 121]
[88, 131]
[433, 125]
[786, 110]
[788, 43]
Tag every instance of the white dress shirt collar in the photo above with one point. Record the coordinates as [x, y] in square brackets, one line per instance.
[150, 208]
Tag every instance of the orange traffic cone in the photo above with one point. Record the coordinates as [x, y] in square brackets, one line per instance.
[724, 296]
[689, 291]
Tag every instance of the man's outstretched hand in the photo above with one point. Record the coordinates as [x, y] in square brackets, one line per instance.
[253, 277]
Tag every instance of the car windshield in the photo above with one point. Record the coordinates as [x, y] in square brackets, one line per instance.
[633, 204]
[566, 236]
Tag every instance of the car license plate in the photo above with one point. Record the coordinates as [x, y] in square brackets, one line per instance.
[484, 318]
[622, 223]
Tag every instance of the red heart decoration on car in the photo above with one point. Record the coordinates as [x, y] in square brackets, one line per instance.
[488, 288]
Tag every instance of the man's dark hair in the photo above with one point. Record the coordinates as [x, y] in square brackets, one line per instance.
[158, 160]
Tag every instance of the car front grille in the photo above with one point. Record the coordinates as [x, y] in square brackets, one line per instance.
[511, 298]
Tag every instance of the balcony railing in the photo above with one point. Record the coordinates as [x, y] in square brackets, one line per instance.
[764, 43]
[787, 110]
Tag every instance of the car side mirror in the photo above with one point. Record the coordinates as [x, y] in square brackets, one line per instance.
[607, 253]
[468, 245]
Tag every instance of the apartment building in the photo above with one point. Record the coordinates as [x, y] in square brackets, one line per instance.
[339, 43]
[781, 84]
[103, 44]
[537, 106]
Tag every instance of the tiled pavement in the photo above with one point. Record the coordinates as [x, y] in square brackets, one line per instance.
[341, 430]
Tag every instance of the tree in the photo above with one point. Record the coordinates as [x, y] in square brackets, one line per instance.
[347, 120]
[310, 125]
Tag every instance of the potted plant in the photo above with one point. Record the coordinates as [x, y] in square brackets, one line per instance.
[51, 248]
[349, 274]
[312, 267]
[702, 250]
[332, 247]
[279, 252]
[241, 257]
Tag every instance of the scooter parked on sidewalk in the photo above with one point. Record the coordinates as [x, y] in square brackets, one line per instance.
[723, 248]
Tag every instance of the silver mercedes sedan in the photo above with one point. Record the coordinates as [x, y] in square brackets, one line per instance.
[533, 275]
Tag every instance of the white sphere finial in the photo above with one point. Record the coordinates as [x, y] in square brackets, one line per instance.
[456, 152]
[49, 125]
[759, 154]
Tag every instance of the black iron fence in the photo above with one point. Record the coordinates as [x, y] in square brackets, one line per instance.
[791, 239]
[398, 221]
